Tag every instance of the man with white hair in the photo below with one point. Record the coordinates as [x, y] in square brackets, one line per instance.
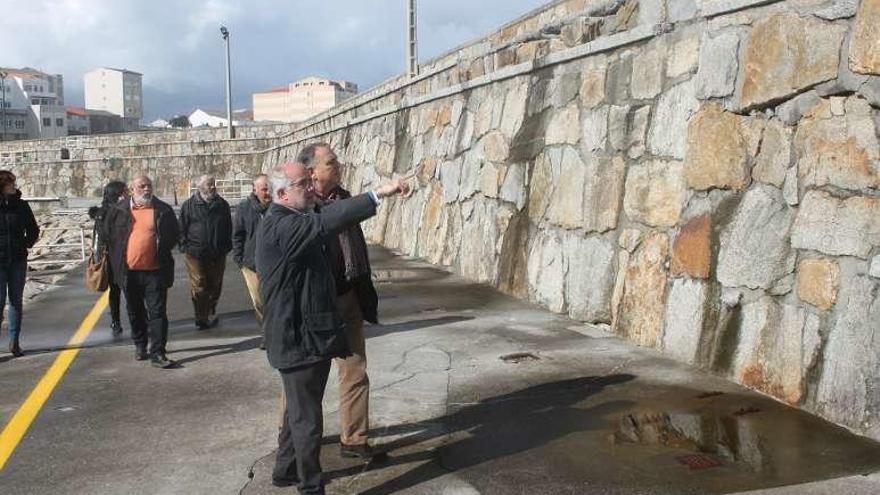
[206, 239]
[141, 232]
[302, 326]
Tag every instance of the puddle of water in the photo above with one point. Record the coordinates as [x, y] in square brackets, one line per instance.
[732, 437]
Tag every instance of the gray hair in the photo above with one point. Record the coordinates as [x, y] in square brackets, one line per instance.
[203, 179]
[279, 181]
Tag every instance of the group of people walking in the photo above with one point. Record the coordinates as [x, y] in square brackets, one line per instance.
[303, 257]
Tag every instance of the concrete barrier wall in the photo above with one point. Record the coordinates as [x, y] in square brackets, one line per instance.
[699, 177]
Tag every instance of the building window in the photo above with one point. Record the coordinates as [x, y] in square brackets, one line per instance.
[47, 122]
[19, 124]
[59, 122]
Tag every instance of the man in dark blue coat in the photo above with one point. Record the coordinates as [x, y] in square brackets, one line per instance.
[302, 327]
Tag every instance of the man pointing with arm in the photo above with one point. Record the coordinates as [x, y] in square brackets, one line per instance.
[302, 326]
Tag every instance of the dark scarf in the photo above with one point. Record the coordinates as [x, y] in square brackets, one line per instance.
[354, 253]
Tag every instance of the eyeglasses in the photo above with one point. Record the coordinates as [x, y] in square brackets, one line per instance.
[303, 183]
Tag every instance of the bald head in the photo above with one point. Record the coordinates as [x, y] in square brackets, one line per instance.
[207, 187]
[261, 189]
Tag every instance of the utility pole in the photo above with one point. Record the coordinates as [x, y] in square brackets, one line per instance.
[225, 33]
[3, 76]
[411, 39]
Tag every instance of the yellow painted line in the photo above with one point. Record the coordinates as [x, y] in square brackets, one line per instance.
[19, 424]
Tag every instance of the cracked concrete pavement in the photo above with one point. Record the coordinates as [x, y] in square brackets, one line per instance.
[571, 410]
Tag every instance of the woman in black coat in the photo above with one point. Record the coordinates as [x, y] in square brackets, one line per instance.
[18, 233]
[113, 193]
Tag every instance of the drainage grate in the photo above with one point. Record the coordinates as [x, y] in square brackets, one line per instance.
[746, 410]
[699, 461]
[519, 357]
[706, 395]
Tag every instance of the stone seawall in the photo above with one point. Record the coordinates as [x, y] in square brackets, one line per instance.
[699, 177]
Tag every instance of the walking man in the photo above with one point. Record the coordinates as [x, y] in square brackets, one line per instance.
[206, 239]
[248, 215]
[356, 300]
[141, 232]
[302, 326]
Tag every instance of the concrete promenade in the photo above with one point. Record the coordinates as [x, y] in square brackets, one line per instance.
[472, 393]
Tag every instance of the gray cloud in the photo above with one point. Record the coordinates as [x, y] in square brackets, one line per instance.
[176, 43]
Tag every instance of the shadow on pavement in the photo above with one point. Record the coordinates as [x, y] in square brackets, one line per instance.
[406, 326]
[221, 350]
[493, 428]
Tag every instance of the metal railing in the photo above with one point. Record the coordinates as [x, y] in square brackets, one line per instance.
[65, 248]
[230, 189]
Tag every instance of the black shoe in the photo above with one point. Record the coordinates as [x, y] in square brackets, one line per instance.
[161, 361]
[116, 329]
[363, 452]
[283, 482]
[202, 325]
[140, 354]
[15, 349]
[213, 322]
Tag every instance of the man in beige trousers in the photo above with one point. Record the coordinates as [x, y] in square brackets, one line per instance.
[356, 300]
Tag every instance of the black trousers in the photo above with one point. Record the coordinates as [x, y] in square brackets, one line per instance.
[115, 300]
[299, 443]
[146, 297]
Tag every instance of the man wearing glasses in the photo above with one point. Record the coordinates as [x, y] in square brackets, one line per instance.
[303, 327]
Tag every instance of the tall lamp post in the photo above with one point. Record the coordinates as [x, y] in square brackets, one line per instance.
[225, 34]
[3, 76]
[412, 53]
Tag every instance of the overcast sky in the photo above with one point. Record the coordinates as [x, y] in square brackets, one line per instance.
[176, 44]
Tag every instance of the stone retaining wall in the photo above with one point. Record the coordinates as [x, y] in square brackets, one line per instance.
[701, 177]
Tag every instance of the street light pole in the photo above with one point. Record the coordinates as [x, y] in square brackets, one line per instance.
[225, 33]
[3, 103]
[411, 39]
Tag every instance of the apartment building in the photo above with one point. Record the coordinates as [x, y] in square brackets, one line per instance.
[301, 100]
[116, 91]
[31, 105]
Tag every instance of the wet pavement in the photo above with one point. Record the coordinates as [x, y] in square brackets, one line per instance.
[472, 392]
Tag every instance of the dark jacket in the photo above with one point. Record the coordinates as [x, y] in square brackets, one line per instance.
[205, 228]
[301, 323]
[248, 215]
[117, 229]
[18, 228]
[368, 299]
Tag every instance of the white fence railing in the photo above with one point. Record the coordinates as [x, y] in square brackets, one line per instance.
[65, 248]
[231, 190]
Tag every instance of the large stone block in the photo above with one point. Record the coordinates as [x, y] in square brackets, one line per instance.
[684, 56]
[817, 282]
[720, 147]
[836, 144]
[685, 314]
[566, 209]
[592, 91]
[655, 193]
[594, 129]
[774, 158]
[849, 227]
[668, 133]
[589, 277]
[639, 316]
[755, 249]
[719, 63]
[778, 345]
[546, 271]
[647, 76]
[786, 54]
[864, 51]
[850, 379]
[564, 126]
[692, 249]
